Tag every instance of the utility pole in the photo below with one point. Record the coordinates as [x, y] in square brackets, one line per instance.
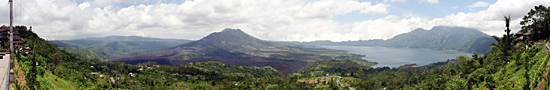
[11, 28]
[11, 41]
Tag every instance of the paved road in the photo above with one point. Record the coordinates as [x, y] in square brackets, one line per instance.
[4, 68]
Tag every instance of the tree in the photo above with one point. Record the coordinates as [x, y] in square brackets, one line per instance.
[507, 38]
[57, 59]
[506, 43]
[538, 21]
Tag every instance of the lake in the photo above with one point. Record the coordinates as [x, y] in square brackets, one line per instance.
[395, 57]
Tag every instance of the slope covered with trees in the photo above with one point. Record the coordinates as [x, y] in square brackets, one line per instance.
[444, 38]
[111, 46]
[438, 38]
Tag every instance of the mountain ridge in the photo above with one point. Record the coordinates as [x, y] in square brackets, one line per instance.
[233, 46]
[437, 38]
[110, 46]
[124, 38]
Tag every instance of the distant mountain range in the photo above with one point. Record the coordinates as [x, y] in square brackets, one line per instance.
[109, 46]
[233, 46]
[438, 38]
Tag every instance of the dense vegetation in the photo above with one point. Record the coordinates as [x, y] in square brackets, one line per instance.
[537, 21]
[110, 46]
[438, 38]
[322, 67]
[84, 54]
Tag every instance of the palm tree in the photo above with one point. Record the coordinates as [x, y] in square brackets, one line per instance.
[507, 20]
[506, 43]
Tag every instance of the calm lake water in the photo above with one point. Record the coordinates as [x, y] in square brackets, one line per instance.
[395, 57]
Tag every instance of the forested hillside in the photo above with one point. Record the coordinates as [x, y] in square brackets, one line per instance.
[110, 46]
[438, 38]
[444, 38]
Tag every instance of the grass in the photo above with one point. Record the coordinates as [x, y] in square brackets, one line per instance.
[321, 87]
[314, 79]
[59, 83]
[270, 87]
[191, 86]
[346, 80]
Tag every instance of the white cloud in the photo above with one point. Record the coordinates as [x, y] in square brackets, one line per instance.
[402, 1]
[491, 21]
[479, 4]
[84, 5]
[430, 1]
[266, 19]
[421, 1]
[103, 3]
[454, 7]
[386, 27]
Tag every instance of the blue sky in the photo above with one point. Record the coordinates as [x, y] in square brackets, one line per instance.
[280, 20]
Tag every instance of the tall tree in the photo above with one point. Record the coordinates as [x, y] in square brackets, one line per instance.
[506, 43]
[537, 20]
[508, 40]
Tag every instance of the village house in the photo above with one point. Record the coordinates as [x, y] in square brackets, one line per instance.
[522, 35]
[5, 35]
[94, 73]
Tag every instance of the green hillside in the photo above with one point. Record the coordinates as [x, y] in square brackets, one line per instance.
[322, 67]
[438, 38]
[85, 54]
[111, 46]
[444, 38]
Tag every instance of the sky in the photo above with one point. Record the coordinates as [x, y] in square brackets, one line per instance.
[277, 20]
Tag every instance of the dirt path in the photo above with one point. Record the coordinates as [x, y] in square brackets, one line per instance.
[20, 76]
[540, 85]
[338, 82]
[342, 85]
